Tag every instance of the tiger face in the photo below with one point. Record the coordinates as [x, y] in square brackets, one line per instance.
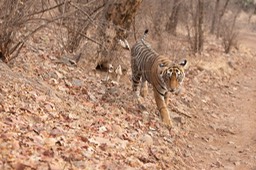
[173, 76]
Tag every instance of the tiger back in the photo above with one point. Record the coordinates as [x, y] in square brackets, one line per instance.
[158, 70]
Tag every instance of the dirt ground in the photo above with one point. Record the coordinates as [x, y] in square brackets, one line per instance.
[54, 115]
[227, 139]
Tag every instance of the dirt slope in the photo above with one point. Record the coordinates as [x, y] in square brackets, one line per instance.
[227, 139]
[54, 115]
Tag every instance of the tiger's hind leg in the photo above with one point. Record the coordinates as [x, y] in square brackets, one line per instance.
[135, 86]
[162, 107]
[144, 88]
[135, 83]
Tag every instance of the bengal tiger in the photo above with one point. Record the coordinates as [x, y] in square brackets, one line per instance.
[164, 75]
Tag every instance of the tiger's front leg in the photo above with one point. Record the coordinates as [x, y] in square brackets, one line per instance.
[162, 107]
[144, 88]
[166, 98]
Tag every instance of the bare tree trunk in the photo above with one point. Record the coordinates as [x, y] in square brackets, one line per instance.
[200, 25]
[172, 23]
[215, 12]
[117, 21]
[197, 43]
[221, 13]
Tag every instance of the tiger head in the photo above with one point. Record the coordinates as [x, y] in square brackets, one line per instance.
[173, 75]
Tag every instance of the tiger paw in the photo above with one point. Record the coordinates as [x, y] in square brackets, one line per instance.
[167, 122]
[144, 92]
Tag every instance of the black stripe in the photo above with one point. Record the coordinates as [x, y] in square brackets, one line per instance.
[158, 91]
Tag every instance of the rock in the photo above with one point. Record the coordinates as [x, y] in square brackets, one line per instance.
[147, 139]
[68, 83]
[102, 129]
[237, 163]
[133, 162]
[231, 142]
[179, 120]
[228, 167]
[169, 139]
[187, 154]
[117, 129]
[210, 139]
[150, 166]
[217, 164]
[190, 146]
[89, 152]
[77, 83]
[234, 160]
[59, 75]
[91, 97]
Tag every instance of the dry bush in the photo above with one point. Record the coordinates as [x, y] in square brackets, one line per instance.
[77, 17]
[173, 19]
[102, 23]
[194, 24]
[22, 19]
[13, 15]
[116, 22]
[227, 28]
[161, 18]
[17, 18]
[229, 34]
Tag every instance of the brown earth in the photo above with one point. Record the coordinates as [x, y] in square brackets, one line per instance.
[54, 115]
[225, 135]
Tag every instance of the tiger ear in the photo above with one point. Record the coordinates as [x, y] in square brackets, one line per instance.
[124, 43]
[184, 63]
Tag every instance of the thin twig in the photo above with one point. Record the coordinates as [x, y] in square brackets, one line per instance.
[85, 13]
[181, 113]
[96, 42]
[45, 10]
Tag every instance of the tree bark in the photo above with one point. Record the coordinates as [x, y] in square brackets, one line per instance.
[215, 13]
[197, 43]
[200, 25]
[118, 17]
[220, 15]
[172, 23]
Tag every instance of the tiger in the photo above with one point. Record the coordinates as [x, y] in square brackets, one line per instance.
[164, 75]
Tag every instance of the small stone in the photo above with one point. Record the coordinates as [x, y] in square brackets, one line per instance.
[102, 129]
[168, 139]
[231, 142]
[77, 83]
[147, 139]
[237, 163]
[234, 160]
[190, 146]
[68, 83]
[210, 139]
[53, 81]
[117, 129]
[145, 112]
[179, 120]
[89, 152]
[59, 75]
[187, 154]
[134, 162]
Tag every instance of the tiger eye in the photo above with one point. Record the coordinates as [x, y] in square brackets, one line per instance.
[161, 65]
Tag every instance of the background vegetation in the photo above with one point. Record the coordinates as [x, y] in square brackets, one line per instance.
[100, 24]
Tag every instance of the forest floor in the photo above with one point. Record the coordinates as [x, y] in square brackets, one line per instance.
[226, 137]
[55, 115]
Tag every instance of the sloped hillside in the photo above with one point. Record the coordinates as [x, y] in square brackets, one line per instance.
[57, 115]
